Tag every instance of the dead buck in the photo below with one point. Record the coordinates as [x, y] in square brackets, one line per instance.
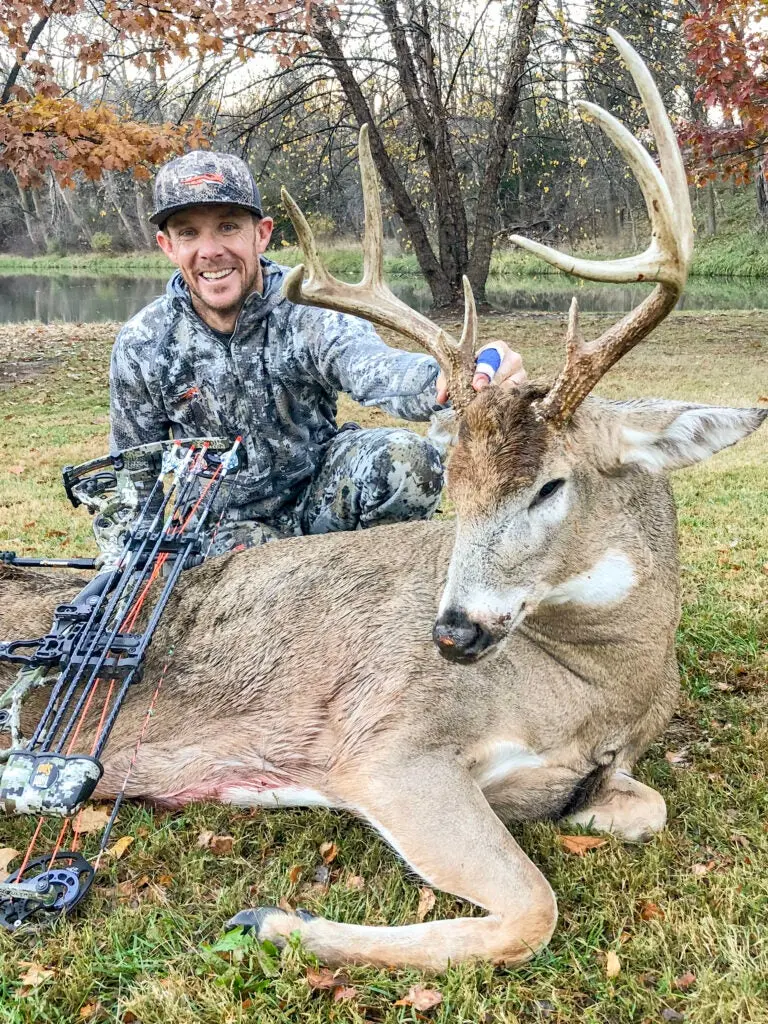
[441, 681]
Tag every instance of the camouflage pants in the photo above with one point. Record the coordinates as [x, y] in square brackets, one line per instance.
[368, 478]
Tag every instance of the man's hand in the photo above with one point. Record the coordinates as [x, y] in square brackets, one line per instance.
[495, 362]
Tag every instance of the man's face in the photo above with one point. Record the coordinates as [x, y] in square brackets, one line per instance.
[217, 250]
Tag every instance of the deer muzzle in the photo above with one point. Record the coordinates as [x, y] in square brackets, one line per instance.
[459, 639]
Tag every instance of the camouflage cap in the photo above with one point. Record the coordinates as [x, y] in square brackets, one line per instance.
[203, 177]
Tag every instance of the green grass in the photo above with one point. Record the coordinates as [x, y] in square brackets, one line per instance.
[144, 947]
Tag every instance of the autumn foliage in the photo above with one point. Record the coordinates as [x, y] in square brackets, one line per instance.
[41, 128]
[728, 46]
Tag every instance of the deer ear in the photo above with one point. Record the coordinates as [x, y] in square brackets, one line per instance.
[661, 436]
[443, 430]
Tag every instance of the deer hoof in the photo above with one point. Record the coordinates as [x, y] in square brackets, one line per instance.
[252, 919]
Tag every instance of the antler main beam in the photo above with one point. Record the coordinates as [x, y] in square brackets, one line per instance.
[372, 299]
[666, 260]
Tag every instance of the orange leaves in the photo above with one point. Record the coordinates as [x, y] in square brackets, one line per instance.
[581, 845]
[61, 134]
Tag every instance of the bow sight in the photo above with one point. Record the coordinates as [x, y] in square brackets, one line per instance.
[156, 511]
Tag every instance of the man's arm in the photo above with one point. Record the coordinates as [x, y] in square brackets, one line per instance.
[350, 356]
[133, 415]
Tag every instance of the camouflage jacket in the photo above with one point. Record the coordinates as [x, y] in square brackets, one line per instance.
[275, 381]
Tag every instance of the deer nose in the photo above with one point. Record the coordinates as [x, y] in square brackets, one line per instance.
[460, 639]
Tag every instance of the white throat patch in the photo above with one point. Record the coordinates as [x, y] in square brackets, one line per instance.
[609, 581]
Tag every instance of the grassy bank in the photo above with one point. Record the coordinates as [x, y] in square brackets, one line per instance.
[684, 914]
[732, 255]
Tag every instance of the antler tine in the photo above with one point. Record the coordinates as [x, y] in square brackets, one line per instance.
[371, 298]
[666, 260]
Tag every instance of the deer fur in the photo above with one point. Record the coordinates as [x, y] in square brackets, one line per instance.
[305, 672]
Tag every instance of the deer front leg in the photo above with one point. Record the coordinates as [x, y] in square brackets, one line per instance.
[438, 820]
[625, 807]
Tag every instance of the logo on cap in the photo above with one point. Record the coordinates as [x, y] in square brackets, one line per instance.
[202, 179]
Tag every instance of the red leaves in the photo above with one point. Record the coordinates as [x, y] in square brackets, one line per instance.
[729, 50]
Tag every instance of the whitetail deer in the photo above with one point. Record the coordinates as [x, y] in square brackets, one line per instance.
[440, 680]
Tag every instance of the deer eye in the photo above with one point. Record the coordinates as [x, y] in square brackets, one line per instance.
[549, 488]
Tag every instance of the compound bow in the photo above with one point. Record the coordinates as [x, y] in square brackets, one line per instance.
[95, 651]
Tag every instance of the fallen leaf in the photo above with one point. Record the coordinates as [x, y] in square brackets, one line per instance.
[426, 902]
[285, 905]
[18, 470]
[91, 1010]
[117, 849]
[35, 976]
[329, 852]
[165, 880]
[670, 1014]
[685, 981]
[355, 882]
[7, 853]
[612, 965]
[343, 993]
[294, 874]
[420, 998]
[677, 757]
[325, 980]
[91, 819]
[222, 845]
[581, 845]
[762, 398]
[651, 912]
[702, 869]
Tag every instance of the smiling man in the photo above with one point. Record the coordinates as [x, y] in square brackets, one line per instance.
[222, 353]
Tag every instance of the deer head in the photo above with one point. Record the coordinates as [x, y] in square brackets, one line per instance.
[555, 493]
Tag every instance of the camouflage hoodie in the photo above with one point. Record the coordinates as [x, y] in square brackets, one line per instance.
[275, 380]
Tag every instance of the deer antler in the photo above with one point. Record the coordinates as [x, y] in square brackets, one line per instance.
[666, 260]
[372, 299]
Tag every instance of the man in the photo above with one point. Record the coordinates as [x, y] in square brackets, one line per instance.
[222, 353]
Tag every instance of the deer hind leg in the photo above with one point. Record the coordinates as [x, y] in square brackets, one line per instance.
[437, 819]
[625, 807]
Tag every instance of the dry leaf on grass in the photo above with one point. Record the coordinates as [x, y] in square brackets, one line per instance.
[325, 980]
[34, 976]
[118, 848]
[7, 854]
[344, 994]
[685, 981]
[677, 758]
[18, 470]
[355, 882]
[91, 819]
[651, 912]
[420, 998]
[294, 874]
[612, 965]
[329, 852]
[702, 869]
[581, 845]
[220, 845]
[426, 902]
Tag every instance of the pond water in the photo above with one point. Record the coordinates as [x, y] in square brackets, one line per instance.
[80, 299]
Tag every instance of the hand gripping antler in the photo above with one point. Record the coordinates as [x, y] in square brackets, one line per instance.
[666, 260]
[372, 299]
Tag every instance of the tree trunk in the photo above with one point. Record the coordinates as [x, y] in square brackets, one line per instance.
[443, 292]
[711, 212]
[30, 221]
[114, 198]
[142, 215]
[611, 220]
[501, 129]
[761, 184]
